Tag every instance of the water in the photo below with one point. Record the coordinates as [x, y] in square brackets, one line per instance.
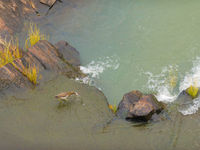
[142, 40]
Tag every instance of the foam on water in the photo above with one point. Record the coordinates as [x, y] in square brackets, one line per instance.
[191, 108]
[164, 92]
[95, 68]
[160, 84]
[192, 77]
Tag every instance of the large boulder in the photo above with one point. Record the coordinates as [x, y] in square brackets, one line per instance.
[127, 102]
[70, 54]
[138, 107]
[145, 108]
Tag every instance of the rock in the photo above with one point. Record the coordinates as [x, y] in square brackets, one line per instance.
[183, 97]
[12, 20]
[66, 121]
[145, 108]
[70, 54]
[10, 76]
[50, 58]
[47, 55]
[26, 61]
[186, 96]
[138, 107]
[49, 3]
[127, 102]
[158, 117]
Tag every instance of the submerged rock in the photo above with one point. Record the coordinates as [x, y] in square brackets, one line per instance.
[138, 107]
[184, 100]
[187, 95]
[183, 97]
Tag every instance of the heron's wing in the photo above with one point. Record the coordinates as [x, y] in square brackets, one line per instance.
[61, 95]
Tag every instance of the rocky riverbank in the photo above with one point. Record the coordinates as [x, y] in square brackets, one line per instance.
[59, 58]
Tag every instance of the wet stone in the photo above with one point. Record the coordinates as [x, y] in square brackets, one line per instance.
[138, 107]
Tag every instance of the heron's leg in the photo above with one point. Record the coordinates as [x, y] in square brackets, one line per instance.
[60, 101]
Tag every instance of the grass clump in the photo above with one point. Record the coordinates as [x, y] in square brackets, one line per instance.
[31, 72]
[34, 35]
[10, 52]
[192, 91]
[113, 108]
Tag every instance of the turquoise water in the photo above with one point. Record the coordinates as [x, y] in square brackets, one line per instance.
[132, 44]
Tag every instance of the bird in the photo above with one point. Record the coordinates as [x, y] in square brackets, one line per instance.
[65, 95]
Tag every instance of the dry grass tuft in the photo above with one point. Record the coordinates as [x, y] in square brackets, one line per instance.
[31, 72]
[113, 108]
[10, 52]
[34, 36]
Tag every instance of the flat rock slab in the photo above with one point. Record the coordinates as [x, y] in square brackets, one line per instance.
[48, 55]
[10, 76]
[70, 54]
[51, 59]
[48, 2]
